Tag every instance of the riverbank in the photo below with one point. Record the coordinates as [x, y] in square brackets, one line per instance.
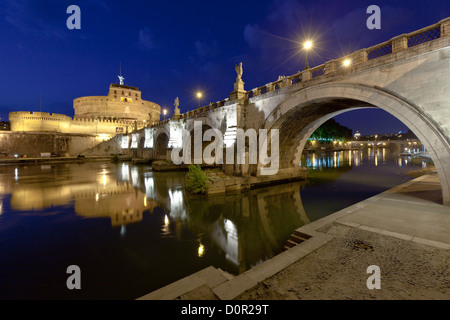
[7, 161]
[404, 231]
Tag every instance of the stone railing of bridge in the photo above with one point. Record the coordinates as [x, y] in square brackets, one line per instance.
[193, 113]
[358, 58]
[336, 67]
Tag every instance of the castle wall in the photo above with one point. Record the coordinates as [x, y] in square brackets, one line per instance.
[46, 122]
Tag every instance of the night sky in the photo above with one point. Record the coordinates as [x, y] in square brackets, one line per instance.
[172, 49]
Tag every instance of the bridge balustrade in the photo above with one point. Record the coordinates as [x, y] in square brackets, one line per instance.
[424, 36]
[318, 71]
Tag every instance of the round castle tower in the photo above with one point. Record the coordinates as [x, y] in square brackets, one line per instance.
[123, 103]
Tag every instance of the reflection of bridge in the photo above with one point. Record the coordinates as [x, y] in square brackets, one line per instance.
[406, 76]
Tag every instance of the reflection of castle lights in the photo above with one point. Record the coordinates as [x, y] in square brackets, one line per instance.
[16, 174]
[201, 250]
[96, 197]
[399, 161]
[145, 201]
[1, 207]
[166, 220]
[123, 231]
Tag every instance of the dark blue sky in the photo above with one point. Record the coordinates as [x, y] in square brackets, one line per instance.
[172, 49]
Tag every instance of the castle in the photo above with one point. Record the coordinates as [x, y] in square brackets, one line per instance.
[121, 111]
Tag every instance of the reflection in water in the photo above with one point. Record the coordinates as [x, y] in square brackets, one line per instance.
[201, 250]
[337, 159]
[144, 226]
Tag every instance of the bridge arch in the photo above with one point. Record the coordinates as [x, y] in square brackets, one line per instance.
[302, 112]
[161, 143]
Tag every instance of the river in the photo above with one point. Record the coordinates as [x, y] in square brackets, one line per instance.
[131, 230]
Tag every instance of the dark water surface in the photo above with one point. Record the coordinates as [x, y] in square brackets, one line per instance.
[132, 231]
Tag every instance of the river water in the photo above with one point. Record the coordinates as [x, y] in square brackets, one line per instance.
[131, 230]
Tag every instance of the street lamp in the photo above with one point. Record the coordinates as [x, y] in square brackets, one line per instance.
[307, 46]
[347, 62]
[199, 95]
[164, 112]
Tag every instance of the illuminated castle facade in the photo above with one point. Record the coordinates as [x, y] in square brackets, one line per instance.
[121, 111]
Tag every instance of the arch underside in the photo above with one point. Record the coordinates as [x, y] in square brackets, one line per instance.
[161, 144]
[303, 112]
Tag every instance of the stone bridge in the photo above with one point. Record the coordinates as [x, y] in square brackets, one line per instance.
[407, 76]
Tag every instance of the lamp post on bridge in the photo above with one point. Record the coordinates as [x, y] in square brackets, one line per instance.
[199, 95]
[307, 46]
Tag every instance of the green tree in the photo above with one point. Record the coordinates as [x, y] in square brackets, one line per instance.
[331, 130]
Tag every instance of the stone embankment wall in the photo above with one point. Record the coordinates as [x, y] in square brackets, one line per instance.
[33, 144]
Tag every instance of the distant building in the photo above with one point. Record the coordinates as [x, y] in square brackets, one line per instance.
[121, 111]
[5, 126]
[357, 135]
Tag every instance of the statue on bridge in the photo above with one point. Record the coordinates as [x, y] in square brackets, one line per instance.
[239, 72]
[176, 104]
[239, 92]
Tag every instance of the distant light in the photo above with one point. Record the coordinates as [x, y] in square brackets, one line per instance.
[145, 201]
[16, 155]
[165, 111]
[199, 94]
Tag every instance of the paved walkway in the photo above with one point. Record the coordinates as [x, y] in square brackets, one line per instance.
[405, 231]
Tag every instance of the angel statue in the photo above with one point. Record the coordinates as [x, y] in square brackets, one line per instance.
[121, 80]
[239, 72]
[176, 104]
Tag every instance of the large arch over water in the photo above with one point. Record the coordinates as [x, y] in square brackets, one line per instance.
[303, 112]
